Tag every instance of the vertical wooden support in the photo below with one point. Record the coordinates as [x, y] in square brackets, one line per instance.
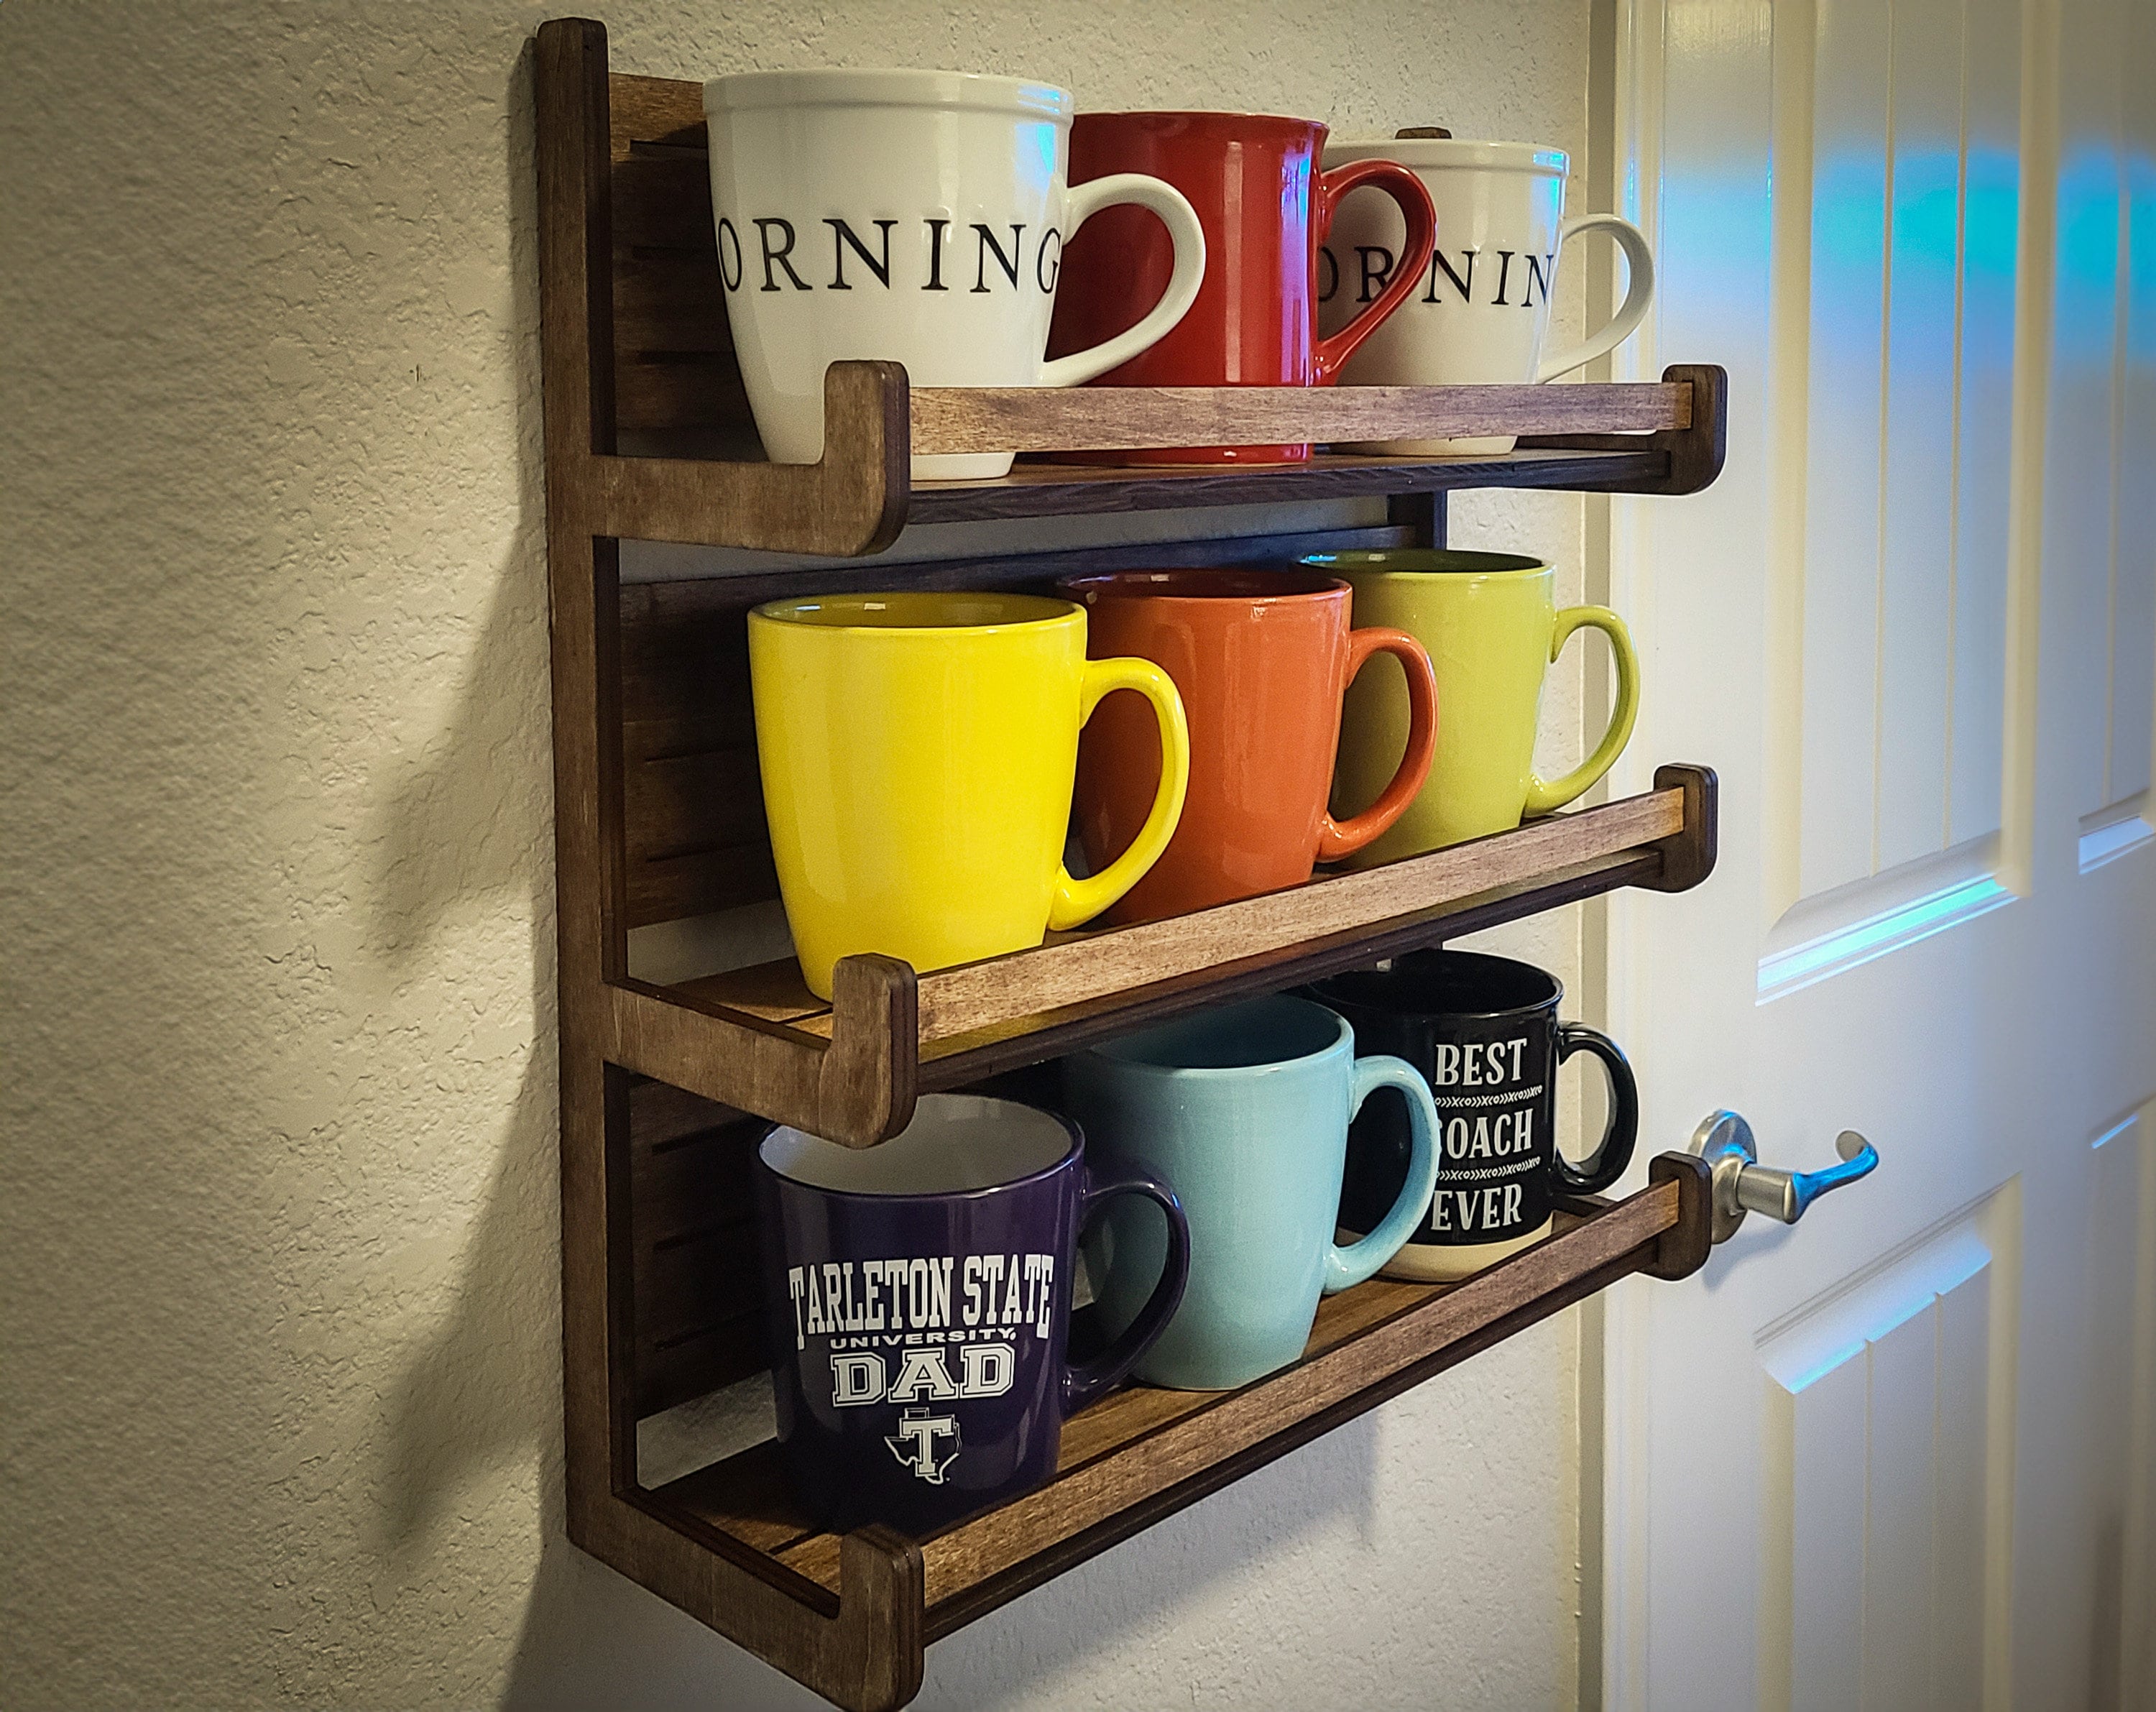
[1681, 1250]
[1421, 514]
[576, 298]
[1688, 856]
[867, 1655]
[1696, 452]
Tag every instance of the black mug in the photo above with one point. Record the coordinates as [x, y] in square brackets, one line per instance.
[1483, 1032]
[918, 1299]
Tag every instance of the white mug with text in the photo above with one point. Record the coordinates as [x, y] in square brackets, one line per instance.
[917, 217]
[1483, 312]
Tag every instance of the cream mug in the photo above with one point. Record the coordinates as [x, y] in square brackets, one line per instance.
[917, 217]
[1482, 313]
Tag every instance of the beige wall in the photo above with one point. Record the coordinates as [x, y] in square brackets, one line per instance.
[282, 1372]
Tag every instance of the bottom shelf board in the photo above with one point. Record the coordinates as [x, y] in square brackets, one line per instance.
[1142, 1453]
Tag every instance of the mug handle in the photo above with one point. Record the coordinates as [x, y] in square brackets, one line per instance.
[1542, 798]
[1330, 355]
[1359, 1260]
[1338, 838]
[1084, 1381]
[1607, 1163]
[1189, 237]
[1639, 292]
[1077, 901]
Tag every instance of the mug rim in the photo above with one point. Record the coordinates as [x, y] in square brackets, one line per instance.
[1429, 563]
[1073, 1154]
[885, 86]
[1165, 585]
[1454, 154]
[1343, 1040]
[793, 611]
[1554, 1002]
[1215, 114]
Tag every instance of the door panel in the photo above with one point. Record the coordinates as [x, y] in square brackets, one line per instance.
[2122, 1449]
[1892, 1456]
[1896, 118]
[1879, 1449]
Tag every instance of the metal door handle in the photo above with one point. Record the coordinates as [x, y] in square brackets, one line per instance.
[1742, 1185]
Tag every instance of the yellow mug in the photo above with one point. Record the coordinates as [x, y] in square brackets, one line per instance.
[918, 752]
[1492, 630]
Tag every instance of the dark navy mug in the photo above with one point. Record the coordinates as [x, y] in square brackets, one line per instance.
[918, 1295]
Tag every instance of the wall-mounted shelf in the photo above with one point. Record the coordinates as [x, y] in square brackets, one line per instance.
[757, 1040]
[666, 1085]
[865, 1606]
[634, 307]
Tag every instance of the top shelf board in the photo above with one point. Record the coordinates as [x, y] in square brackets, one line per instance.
[638, 354]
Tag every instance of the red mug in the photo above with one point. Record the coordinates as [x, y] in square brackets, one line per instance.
[1261, 660]
[1266, 209]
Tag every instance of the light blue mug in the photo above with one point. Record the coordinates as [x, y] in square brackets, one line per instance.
[1245, 1111]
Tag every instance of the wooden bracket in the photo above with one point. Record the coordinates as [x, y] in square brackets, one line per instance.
[879, 1643]
[856, 1088]
[1696, 450]
[1681, 1250]
[1688, 854]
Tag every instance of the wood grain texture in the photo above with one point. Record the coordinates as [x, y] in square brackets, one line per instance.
[1119, 418]
[962, 1001]
[767, 1008]
[570, 90]
[665, 110]
[757, 1038]
[1688, 856]
[1695, 451]
[852, 503]
[694, 1323]
[656, 816]
[1143, 1445]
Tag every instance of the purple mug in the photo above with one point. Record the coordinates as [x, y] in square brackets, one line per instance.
[918, 1295]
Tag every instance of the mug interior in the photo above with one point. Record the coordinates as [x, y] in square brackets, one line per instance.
[1447, 984]
[1253, 1035]
[1424, 561]
[1225, 582]
[954, 1144]
[918, 609]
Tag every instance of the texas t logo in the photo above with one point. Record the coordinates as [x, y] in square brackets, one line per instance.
[915, 1443]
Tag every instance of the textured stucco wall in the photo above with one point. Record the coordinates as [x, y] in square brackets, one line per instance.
[282, 1367]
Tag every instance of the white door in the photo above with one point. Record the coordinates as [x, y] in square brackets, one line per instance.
[1899, 1455]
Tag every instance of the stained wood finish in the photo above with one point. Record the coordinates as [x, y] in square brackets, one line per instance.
[757, 1040]
[1112, 418]
[693, 1222]
[675, 389]
[1142, 1453]
[656, 817]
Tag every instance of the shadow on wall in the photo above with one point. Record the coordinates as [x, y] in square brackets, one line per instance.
[453, 826]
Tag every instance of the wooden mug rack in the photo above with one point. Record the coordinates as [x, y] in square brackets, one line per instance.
[666, 1085]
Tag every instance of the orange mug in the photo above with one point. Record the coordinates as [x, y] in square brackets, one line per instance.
[1262, 660]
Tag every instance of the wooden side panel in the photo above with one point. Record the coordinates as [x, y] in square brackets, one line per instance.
[693, 806]
[693, 1216]
[675, 372]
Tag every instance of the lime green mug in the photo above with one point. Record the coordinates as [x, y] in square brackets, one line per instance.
[1492, 629]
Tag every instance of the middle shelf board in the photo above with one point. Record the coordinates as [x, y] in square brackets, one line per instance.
[757, 1040]
[1142, 1453]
